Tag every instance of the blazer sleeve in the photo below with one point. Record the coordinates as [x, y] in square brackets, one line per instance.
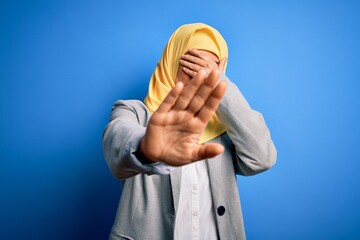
[254, 150]
[121, 139]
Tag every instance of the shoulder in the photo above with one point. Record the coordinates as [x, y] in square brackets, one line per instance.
[135, 105]
[122, 108]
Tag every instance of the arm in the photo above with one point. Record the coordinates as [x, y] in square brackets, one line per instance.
[172, 133]
[121, 140]
[254, 149]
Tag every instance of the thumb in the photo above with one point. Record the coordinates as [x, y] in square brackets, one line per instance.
[208, 150]
[222, 63]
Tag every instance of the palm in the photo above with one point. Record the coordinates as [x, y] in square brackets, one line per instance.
[173, 132]
[178, 134]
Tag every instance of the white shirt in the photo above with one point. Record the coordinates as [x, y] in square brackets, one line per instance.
[195, 217]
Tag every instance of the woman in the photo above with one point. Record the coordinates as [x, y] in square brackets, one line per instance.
[177, 154]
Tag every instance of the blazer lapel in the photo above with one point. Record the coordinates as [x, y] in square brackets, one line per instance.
[175, 177]
[214, 170]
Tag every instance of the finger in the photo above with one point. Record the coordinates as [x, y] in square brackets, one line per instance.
[169, 100]
[212, 103]
[222, 63]
[192, 66]
[189, 72]
[189, 91]
[195, 60]
[197, 53]
[203, 93]
[207, 62]
[208, 150]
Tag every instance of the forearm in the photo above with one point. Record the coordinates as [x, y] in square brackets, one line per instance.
[247, 130]
[119, 150]
[121, 141]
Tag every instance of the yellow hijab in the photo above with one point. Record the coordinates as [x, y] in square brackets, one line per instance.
[196, 35]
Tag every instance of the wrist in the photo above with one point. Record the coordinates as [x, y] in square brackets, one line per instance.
[142, 155]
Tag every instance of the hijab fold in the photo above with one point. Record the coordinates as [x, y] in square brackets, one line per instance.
[196, 35]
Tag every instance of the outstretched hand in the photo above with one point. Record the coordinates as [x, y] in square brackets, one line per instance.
[173, 132]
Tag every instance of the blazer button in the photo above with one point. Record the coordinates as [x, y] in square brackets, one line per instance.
[221, 210]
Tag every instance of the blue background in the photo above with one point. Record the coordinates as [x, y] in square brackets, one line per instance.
[63, 64]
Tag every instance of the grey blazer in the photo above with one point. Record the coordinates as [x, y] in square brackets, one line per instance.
[148, 203]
